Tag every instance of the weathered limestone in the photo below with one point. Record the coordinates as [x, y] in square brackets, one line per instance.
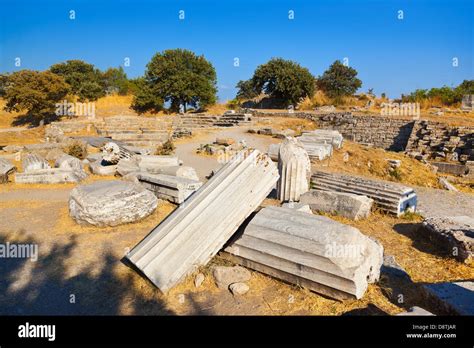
[225, 276]
[453, 298]
[455, 234]
[179, 171]
[390, 197]
[312, 251]
[110, 203]
[194, 232]
[315, 151]
[48, 176]
[100, 168]
[32, 162]
[447, 185]
[322, 136]
[113, 153]
[349, 205]
[171, 188]
[294, 168]
[153, 163]
[6, 168]
[298, 206]
[128, 165]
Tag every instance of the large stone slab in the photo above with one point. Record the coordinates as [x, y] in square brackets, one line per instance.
[194, 232]
[322, 136]
[312, 251]
[390, 197]
[453, 298]
[294, 168]
[48, 176]
[6, 168]
[171, 188]
[153, 163]
[110, 203]
[102, 168]
[455, 234]
[68, 162]
[349, 205]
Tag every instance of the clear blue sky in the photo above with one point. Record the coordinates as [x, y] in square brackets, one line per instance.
[392, 55]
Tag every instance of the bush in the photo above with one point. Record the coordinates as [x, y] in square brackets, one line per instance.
[76, 149]
[166, 149]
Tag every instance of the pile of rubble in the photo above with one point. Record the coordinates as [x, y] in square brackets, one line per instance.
[319, 144]
[222, 146]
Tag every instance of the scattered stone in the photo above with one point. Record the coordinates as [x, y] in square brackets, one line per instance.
[171, 188]
[54, 154]
[110, 203]
[322, 136]
[454, 234]
[179, 171]
[447, 185]
[194, 232]
[394, 163]
[239, 288]
[349, 205]
[68, 162]
[265, 131]
[32, 162]
[294, 167]
[298, 207]
[6, 168]
[153, 163]
[325, 108]
[103, 168]
[127, 165]
[113, 153]
[390, 197]
[199, 280]
[284, 133]
[452, 298]
[225, 276]
[225, 141]
[93, 157]
[417, 311]
[312, 251]
[48, 176]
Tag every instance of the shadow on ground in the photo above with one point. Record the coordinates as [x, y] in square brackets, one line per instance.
[44, 288]
[34, 120]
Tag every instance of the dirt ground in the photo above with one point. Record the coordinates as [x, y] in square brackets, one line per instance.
[81, 269]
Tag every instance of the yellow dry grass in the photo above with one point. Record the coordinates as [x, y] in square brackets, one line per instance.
[30, 136]
[372, 162]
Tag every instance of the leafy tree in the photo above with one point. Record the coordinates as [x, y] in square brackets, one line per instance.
[339, 80]
[281, 79]
[115, 81]
[416, 96]
[145, 98]
[3, 84]
[84, 79]
[446, 94]
[34, 91]
[177, 77]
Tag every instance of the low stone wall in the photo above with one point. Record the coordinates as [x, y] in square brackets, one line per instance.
[429, 139]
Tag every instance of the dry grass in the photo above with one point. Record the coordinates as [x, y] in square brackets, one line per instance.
[30, 136]
[412, 172]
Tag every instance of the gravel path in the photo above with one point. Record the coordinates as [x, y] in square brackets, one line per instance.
[439, 203]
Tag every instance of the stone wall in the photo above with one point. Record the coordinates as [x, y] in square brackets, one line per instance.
[427, 139]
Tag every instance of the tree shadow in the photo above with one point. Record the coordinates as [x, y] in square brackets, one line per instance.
[34, 120]
[44, 287]
[420, 240]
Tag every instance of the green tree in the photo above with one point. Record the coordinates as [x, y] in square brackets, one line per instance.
[115, 81]
[34, 91]
[284, 80]
[145, 98]
[465, 87]
[177, 77]
[246, 90]
[84, 79]
[339, 81]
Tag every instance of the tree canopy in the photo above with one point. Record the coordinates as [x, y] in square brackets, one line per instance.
[85, 80]
[284, 80]
[178, 77]
[339, 80]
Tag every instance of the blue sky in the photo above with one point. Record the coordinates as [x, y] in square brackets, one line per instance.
[392, 55]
